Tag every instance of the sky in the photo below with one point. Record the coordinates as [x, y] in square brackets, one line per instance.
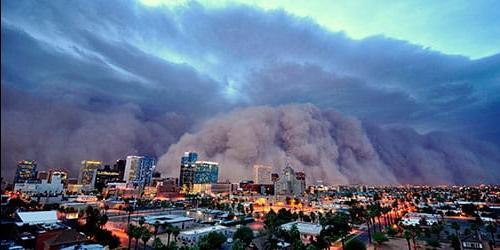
[105, 79]
[451, 27]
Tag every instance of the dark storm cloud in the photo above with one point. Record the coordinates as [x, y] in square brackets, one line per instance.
[333, 148]
[117, 66]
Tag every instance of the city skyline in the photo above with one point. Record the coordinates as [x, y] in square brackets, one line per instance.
[343, 96]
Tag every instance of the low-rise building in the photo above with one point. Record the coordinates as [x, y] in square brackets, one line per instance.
[191, 237]
[182, 222]
[306, 229]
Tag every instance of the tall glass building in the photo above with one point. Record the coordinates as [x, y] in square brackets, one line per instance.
[139, 170]
[26, 170]
[88, 173]
[206, 172]
[196, 172]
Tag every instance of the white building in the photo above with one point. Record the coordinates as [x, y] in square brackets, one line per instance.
[290, 182]
[37, 217]
[306, 229]
[182, 222]
[46, 192]
[139, 170]
[412, 219]
[191, 237]
[262, 174]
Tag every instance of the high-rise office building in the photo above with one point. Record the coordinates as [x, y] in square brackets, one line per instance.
[26, 170]
[88, 173]
[139, 170]
[61, 173]
[186, 176]
[189, 157]
[119, 167]
[197, 172]
[206, 172]
[43, 175]
[290, 182]
[262, 174]
[104, 176]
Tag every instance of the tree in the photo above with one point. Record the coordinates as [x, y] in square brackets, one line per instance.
[313, 247]
[130, 233]
[436, 229]
[212, 240]
[244, 234]
[106, 238]
[407, 234]
[157, 244]
[134, 232]
[103, 219]
[469, 209]
[455, 242]
[142, 221]
[379, 238]
[335, 226]
[175, 231]
[169, 229]
[156, 226]
[492, 229]
[238, 245]
[313, 216]
[355, 245]
[145, 236]
[455, 225]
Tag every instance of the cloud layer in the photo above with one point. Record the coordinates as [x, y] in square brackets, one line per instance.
[333, 148]
[93, 79]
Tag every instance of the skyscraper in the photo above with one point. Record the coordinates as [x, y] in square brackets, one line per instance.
[189, 157]
[88, 173]
[290, 182]
[262, 174]
[139, 170]
[206, 172]
[26, 170]
[186, 176]
[119, 167]
[104, 176]
[196, 172]
[61, 173]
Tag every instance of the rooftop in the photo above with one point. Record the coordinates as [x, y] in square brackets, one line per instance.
[204, 230]
[303, 227]
[38, 217]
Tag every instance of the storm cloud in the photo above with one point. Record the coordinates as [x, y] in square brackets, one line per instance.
[332, 148]
[100, 80]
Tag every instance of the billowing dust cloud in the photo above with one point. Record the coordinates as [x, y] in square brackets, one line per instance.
[334, 149]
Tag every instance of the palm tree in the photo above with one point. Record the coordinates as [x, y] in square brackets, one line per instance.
[141, 221]
[129, 210]
[455, 225]
[156, 226]
[136, 233]
[169, 231]
[313, 216]
[437, 228]
[492, 229]
[367, 217]
[175, 231]
[407, 234]
[145, 236]
[415, 231]
[130, 229]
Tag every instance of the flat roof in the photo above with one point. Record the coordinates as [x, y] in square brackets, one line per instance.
[204, 230]
[166, 218]
[303, 227]
[38, 217]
